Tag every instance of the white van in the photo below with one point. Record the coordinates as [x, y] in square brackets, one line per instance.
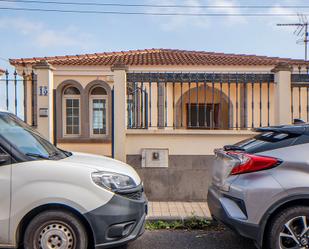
[50, 198]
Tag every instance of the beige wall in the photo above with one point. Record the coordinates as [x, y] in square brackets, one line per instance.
[84, 80]
[93, 148]
[183, 142]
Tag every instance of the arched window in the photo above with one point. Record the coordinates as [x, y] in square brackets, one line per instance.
[98, 103]
[71, 112]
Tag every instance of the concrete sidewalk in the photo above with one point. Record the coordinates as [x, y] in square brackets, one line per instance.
[178, 210]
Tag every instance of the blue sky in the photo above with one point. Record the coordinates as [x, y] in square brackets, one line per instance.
[28, 34]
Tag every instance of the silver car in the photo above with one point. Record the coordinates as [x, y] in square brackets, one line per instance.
[260, 187]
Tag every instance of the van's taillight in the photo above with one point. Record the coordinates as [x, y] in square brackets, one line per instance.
[252, 163]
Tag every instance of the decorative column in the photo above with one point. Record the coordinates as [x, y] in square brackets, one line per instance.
[283, 113]
[120, 111]
[45, 102]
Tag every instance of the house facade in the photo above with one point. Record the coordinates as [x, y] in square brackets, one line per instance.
[163, 111]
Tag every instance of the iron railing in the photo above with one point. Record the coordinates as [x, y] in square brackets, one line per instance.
[200, 100]
[300, 96]
[14, 94]
[137, 106]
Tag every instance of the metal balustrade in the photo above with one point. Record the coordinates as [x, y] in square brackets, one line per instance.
[15, 94]
[200, 100]
[300, 96]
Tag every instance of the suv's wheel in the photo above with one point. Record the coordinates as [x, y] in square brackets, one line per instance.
[55, 230]
[290, 229]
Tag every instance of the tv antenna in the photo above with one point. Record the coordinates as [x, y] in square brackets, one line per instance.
[300, 31]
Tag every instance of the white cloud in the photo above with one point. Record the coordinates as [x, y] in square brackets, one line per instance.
[230, 20]
[45, 37]
[277, 9]
[22, 25]
[170, 23]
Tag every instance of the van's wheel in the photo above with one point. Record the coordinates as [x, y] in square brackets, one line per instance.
[290, 229]
[55, 230]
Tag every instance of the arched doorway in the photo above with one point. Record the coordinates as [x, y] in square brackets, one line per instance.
[204, 107]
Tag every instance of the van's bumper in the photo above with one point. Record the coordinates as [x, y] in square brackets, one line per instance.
[118, 222]
[220, 212]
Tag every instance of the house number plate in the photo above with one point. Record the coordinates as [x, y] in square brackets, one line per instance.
[43, 90]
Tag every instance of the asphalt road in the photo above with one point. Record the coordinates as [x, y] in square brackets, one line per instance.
[213, 239]
[225, 239]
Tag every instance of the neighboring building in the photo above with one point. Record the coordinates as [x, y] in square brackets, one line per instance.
[2, 71]
[171, 107]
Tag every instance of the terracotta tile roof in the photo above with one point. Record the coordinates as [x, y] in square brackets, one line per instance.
[154, 57]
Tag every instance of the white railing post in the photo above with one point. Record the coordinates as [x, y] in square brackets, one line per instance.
[45, 86]
[283, 114]
[120, 111]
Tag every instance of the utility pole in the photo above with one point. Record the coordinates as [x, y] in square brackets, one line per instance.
[301, 31]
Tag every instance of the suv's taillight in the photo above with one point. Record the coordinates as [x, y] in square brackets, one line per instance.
[252, 163]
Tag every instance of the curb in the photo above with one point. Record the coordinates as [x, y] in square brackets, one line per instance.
[176, 218]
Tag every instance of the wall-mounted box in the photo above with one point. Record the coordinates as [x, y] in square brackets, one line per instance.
[43, 112]
[154, 158]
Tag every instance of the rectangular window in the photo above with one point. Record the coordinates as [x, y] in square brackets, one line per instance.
[99, 117]
[72, 117]
[202, 116]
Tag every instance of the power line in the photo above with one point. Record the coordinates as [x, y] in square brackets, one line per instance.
[157, 5]
[151, 13]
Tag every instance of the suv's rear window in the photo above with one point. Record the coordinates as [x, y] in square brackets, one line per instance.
[271, 141]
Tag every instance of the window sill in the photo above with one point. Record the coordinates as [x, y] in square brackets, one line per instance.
[83, 140]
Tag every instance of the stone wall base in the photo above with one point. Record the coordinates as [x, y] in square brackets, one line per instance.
[186, 179]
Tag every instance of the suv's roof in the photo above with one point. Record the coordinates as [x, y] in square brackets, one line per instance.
[298, 129]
